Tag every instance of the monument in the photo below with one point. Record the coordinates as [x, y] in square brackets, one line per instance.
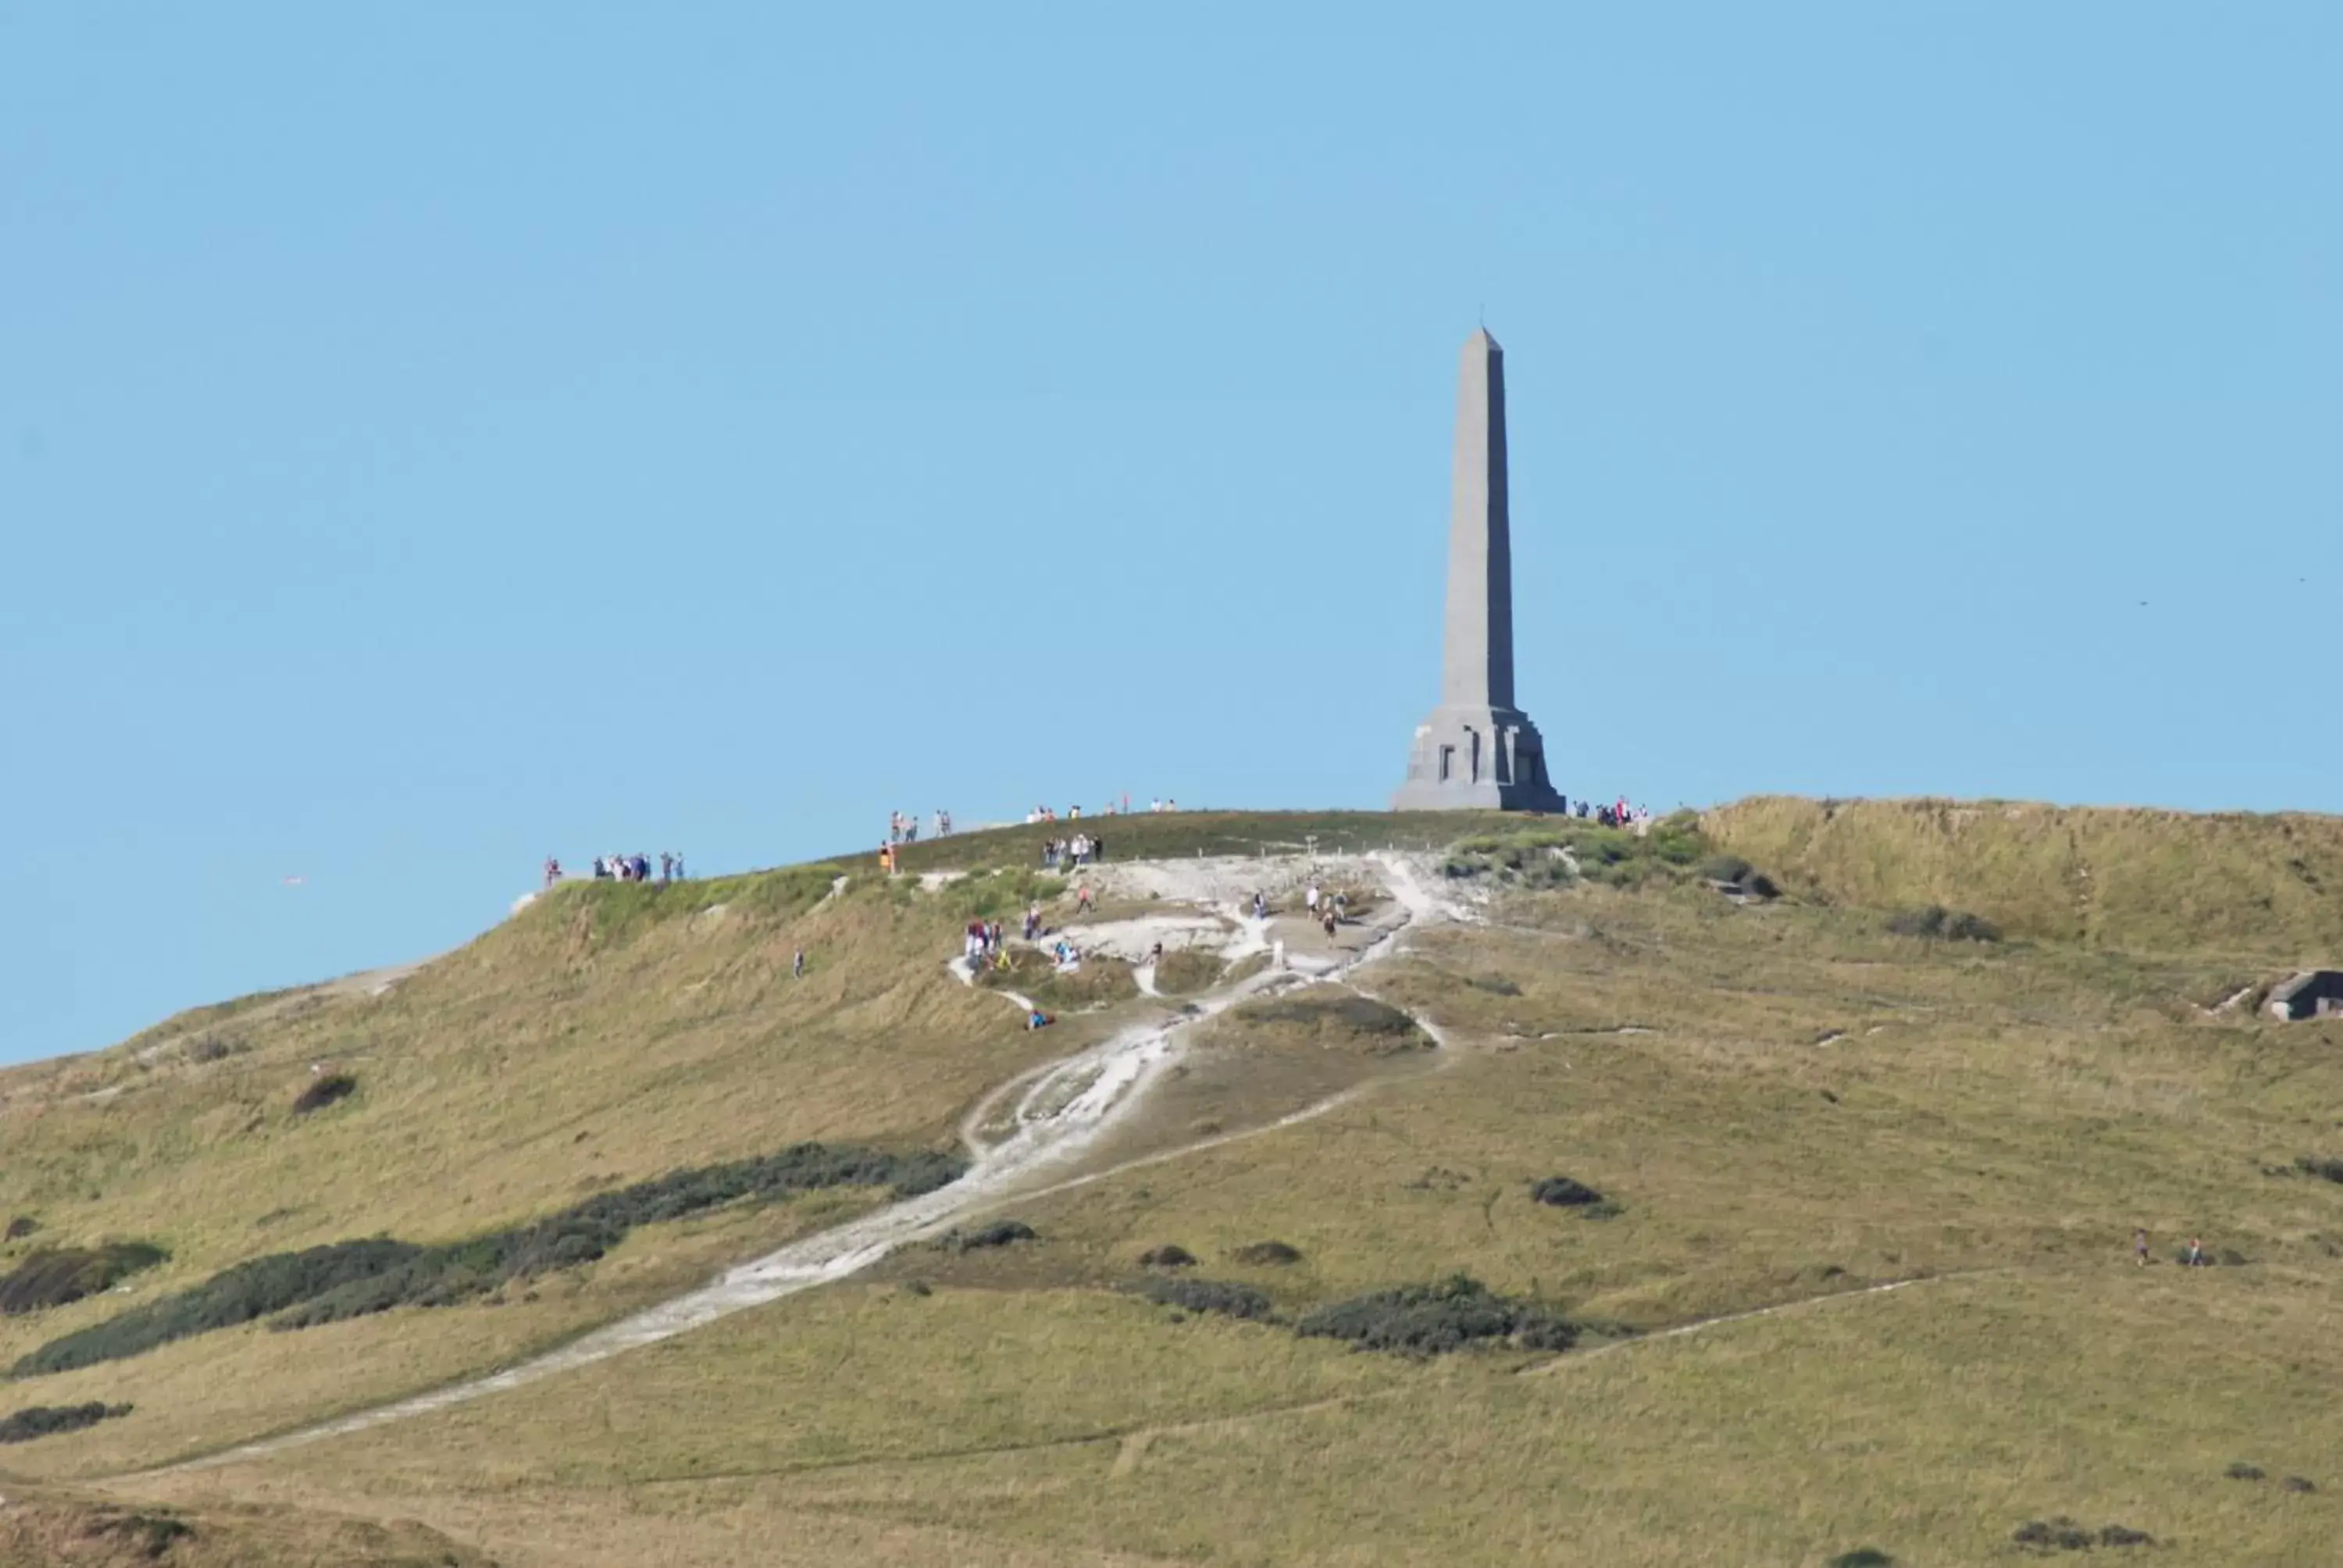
[1477, 749]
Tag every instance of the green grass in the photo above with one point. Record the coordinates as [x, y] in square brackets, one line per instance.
[1148, 836]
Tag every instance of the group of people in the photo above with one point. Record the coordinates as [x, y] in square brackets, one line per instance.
[1325, 909]
[624, 869]
[1074, 813]
[1063, 854]
[983, 943]
[1617, 814]
[903, 826]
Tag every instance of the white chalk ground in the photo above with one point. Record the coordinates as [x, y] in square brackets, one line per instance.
[1026, 1139]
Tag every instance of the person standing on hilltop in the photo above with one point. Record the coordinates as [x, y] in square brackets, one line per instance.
[552, 870]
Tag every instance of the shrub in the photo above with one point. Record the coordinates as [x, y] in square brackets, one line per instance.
[24, 1225]
[2240, 1471]
[2309, 1164]
[1563, 1192]
[1364, 1014]
[1934, 921]
[1167, 1257]
[352, 1279]
[2298, 1483]
[324, 1092]
[999, 1233]
[239, 1295]
[54, 1277]
[1725, 868]
[48, 1420]
[2059, 1534]
[154, 1534]
[1206, 1296]
[1263, 1253]
[1187, 969]
[2124, 1535]
[1433, 1319]
[1863, 1557]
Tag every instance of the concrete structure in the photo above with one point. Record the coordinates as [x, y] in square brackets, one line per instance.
[1477, 749]
[2314, 994]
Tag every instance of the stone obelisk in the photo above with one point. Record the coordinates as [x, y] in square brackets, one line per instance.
[1477, 749]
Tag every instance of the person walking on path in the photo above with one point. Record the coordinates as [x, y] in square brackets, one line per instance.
[797, 965]
[2139, 1246]
[1083, 899]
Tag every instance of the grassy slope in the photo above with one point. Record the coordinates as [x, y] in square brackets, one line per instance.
[1992, 1120]
[2002, 1117]
[607, 1034]
[2261, 887]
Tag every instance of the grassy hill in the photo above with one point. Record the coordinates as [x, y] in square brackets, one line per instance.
[1888, 1183]
[2258, 887]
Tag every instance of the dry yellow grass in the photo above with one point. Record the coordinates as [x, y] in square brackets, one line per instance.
[1787, 1103]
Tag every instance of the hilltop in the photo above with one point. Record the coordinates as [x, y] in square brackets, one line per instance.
[1709, 1204]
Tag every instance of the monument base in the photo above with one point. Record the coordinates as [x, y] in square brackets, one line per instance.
[1484, 758]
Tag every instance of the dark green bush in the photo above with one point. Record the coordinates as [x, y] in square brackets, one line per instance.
[48, 1420]
[2059, 1534]
[1263, 1253]
[1496, 985]
[2312, 1165]
[237, 1295]
[324, 1092]
[1563, 1192]
[1863, 1557]
[22, 1226]
[1935, 922]
[1167, 1257]
[1725, 868]
[1206, 1296]
[2063, 1534]
[2299, 1483]
[999, 1233]
[154, 1534]
[2240, 1471]
[1433, 1319]
[1350, 1011]
[353, 1279]
[53, 1277]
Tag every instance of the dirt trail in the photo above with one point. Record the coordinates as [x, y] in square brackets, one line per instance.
[1026, 1139]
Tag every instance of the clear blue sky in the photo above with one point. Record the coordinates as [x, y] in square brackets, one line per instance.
[435, 437]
